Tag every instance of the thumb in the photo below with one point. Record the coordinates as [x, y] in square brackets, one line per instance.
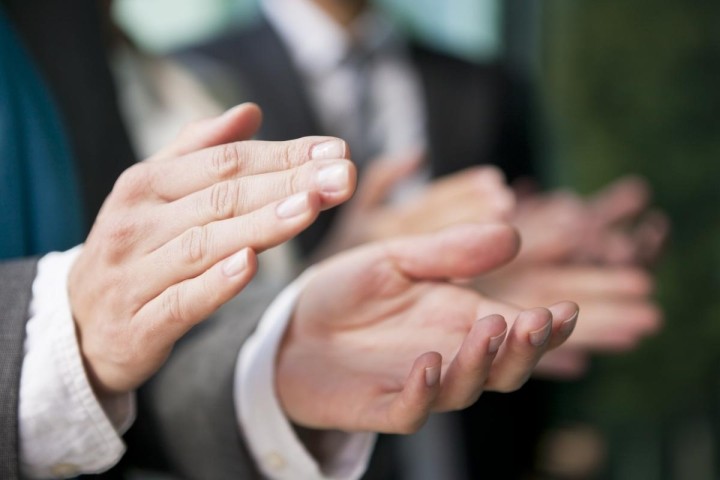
[238, 123]
[382, 175]
[462, 251]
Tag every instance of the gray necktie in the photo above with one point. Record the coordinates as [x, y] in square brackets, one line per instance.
[365, 145]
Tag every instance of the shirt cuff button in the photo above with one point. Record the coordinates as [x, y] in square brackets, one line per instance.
[64, 470]
[275, 461]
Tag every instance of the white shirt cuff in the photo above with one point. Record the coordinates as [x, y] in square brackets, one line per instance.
[64, 429]
[272, 441]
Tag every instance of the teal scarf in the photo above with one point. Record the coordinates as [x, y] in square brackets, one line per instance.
[40, 207]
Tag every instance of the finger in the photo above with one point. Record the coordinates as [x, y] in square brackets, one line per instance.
[461, 251]
[333, 180]
[409, 410]
[614, 325]
[613, 246]
[623, 199]
[651, 234]
[562, 364]
[527, 340]
[199, 248]
[587, 281]
[238, 123]
[483, 188]
[465, 377]
[198, 170]
[478, 179]
[602, 282]
[381, 176]
[170, 315]
[475, 209]
[565, 317]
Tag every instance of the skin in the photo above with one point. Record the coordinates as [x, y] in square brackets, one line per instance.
[343, 11]
[395, 340]
[560, 230]
[179, 234]
[595, 250]
[472, 195]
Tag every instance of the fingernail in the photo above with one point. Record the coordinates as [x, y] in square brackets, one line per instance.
[432, 376]
[333, 178]
[568, 325]
[293, 206]
[495, 342]
[236, 264]
[540, 336]
[329, 150]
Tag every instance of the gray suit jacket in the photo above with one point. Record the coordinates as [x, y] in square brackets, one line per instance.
[17, 278]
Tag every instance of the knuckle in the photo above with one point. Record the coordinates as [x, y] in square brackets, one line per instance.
[173, 306]
[222, 200]
[118, 235]
[295, 153]
[287, 153]
[194, 245]
[293, 182]
[227, 160]
[132, 183]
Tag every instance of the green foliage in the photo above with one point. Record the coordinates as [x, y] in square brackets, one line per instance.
[634, 86]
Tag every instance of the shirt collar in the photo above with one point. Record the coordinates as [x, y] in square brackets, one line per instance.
[315, 41]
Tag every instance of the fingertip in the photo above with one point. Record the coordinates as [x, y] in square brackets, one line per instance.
[298, 205]
[410, 410]
[328, 148]
[535, 325]
[335, 180]
[493, 330]
[241, 265]
[427, 369]
[563, 311]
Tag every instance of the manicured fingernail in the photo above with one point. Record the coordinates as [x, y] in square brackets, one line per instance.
[495, 342]
[568, 325]
[236, 264]
[333, 178]
[432, 376]
[329, 150]
[541, 335]
[293, 206]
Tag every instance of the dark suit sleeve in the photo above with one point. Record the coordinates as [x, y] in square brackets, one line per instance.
[186, 422]
[15, 293]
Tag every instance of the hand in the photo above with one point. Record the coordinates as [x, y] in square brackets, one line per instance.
[616, 302]
[178, 235]
[615, 226]
[474, 195]
[383, 339]
[622, 228]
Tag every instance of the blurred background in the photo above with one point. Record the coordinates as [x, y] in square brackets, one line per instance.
[618, 87]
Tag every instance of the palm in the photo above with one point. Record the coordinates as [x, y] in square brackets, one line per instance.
[389, 309]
